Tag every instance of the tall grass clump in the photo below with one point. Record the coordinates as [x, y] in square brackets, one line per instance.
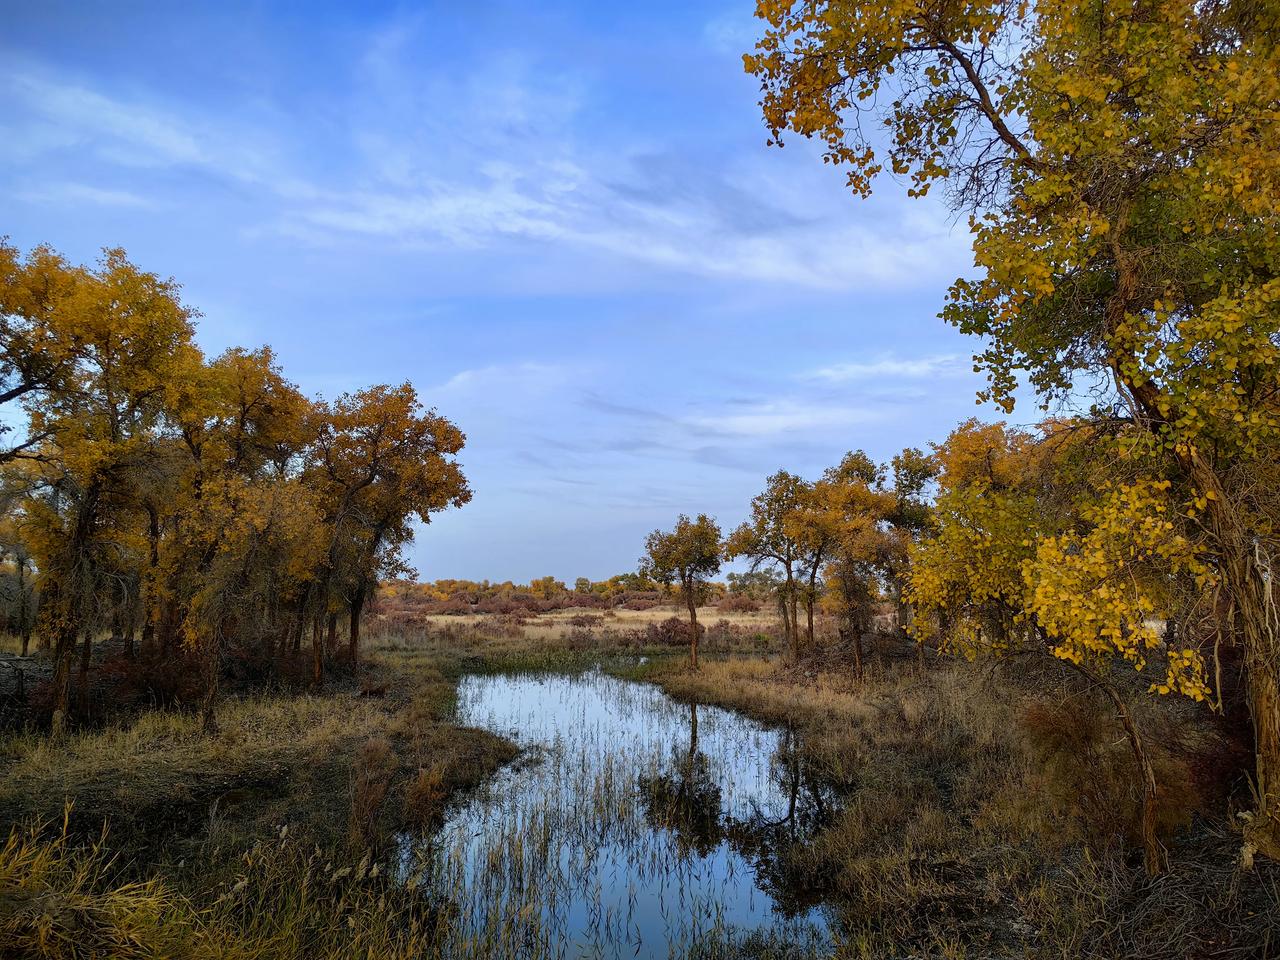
[62, 900]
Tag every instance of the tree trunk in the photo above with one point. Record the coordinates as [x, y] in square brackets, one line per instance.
[1263, 833]
[317, 653]
[212, 668]
[786, 621]
[331, 634]
[147, 589]
[691, 602]
[168, 628]
[68, 601]
[795, 618]
[24, 613]
[353, 631]
[1249, 588]
[812, 595]
[64, 647]
[82, 684]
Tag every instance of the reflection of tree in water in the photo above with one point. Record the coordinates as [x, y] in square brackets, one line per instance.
[768, 839]
[684, 798]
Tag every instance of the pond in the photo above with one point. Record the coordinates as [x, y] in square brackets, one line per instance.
[632, 826]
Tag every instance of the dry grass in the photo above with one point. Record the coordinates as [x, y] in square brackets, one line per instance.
[341, 769]
[557, 625]
[279, 757]
[64, 900]
[962, 830]
[969, 813]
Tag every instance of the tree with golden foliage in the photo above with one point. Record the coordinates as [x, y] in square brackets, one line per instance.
[688, 554]
[1041, 543]
[1119, 160]
[208, 502]
[769, 540]
[378, 460]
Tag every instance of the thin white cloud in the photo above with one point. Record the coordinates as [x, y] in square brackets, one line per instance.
[893, 368]
[83, 193]
[571, 207]
[133, 134]
[733, 33]
[516, 167]
[128, 133]
[771, 418]
[509, 378]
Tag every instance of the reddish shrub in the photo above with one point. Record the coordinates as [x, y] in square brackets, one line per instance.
[672, 632]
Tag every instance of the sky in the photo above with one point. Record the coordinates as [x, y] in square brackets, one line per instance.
[560, 221]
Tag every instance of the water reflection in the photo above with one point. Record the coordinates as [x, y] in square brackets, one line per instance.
[685, 797]
[636, 826]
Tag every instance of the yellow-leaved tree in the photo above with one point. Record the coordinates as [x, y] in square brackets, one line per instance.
[1040, 543]
[1119, 162]
[688, 554]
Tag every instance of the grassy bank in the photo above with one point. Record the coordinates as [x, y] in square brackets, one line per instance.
[148, 838]
[981, 814]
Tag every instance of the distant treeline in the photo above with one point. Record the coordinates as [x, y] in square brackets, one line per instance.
[741, 592]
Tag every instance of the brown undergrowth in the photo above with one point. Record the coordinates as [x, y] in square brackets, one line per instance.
[992, 813]
[146, 837]
[960, 812]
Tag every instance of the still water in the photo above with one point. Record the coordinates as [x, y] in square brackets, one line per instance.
[632, 826]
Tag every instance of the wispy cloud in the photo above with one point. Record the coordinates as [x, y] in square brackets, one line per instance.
[131, 134]
[776, 417]
[83, 193]
[893, 368]
[55, 115]
[504, 155]
[503, 380]
[734, 32]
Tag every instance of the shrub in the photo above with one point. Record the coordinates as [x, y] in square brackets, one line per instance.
[672, 632]
[370, 780]
[1090, 774]
[738, 603]
[425, 795]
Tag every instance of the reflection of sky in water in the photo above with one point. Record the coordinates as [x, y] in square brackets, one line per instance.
[566, 852]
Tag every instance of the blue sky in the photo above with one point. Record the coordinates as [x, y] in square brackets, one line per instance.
[560, 221]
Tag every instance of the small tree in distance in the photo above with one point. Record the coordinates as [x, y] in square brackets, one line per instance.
[689, 554]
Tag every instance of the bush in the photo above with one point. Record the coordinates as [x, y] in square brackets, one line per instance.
[672, 632]
[1091, 776]
[738, 603]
